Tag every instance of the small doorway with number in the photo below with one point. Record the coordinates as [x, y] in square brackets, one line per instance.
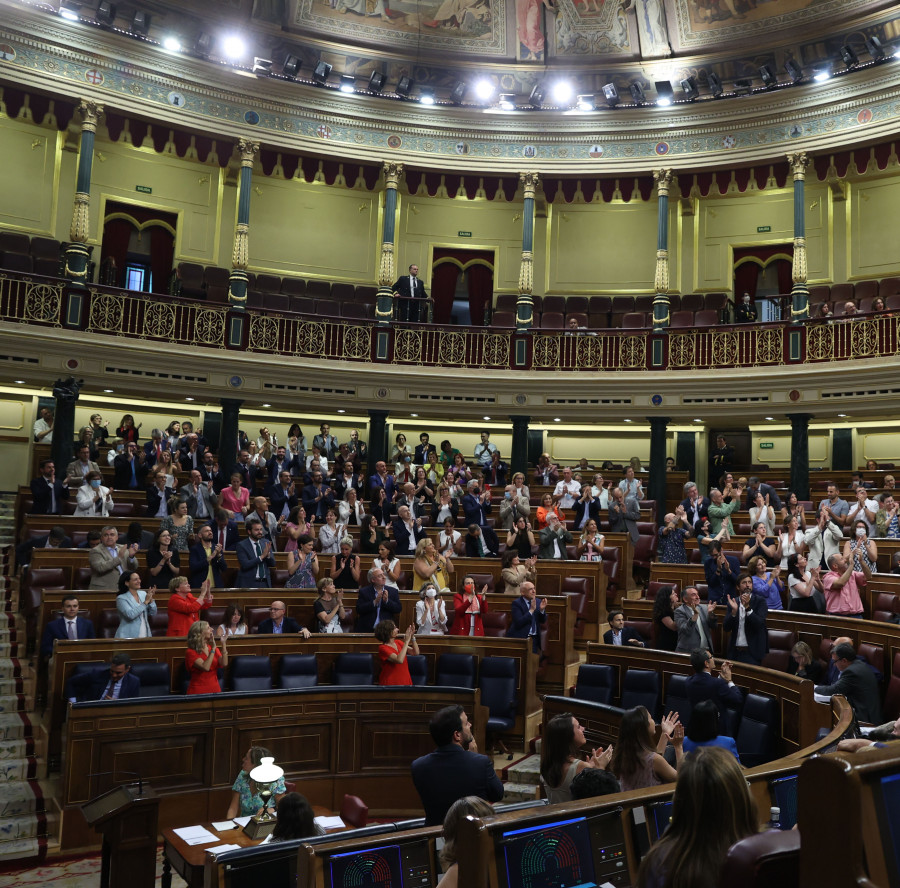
[138, 248]
[462, 285]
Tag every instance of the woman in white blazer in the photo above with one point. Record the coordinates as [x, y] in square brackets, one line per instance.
[94, 500]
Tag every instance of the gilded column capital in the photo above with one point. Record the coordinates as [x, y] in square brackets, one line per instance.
[248, 151]
[392, 173]
[529, 183]
[798, 161]
[663, 179]
[90, 114]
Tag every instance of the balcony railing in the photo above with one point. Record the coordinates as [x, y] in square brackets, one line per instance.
[105, 311]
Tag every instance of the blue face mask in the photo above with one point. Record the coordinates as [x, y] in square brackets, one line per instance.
[95, 483]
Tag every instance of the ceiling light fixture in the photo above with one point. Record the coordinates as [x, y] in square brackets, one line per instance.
[321, 72]
[140, 24]
[876, 50]
[690, 89]
[794, 70]
[586, 102]
[611, 94]
[348, 83]
[536, 96]
[377, 81]
[637, 94]
[714, 82]
[106, 13]
[426, 97]
[507, 101]
[404, 86]
[262, 67]
[458, 93]
[233, 47]
[848, 54]
[563, 92]
[484, 89]
[822, 74]
[291, 66]
[664, 92]
[768, 78]
[171, 43]
[487, 418]
[69, 10]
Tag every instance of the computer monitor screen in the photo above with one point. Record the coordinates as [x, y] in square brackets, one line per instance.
[578, 852]
[888, 804]
[400, 865]
[784, 793]
[658, 816]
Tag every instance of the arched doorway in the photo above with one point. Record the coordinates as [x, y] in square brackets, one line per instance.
[462, 285]
[764, 273]
[138, 247]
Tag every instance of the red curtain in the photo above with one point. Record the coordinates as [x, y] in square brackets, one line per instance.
[116, 236]
[162, 250]
[443, 286]
[785, 283]
[746, 277]
[481, 291]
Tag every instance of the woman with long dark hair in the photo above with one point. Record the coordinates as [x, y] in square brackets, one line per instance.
[296, 819]
[664, 618]
[637, 761]
[703, 730]
[711, 789]
[561, 758]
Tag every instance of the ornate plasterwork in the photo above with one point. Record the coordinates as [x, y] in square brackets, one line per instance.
[181, 92]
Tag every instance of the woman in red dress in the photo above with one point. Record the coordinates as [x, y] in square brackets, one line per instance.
[202, 659]
[183, 608]
[392, 653]
[468, 608]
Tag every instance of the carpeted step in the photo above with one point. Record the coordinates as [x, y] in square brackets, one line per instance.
[14, 725]
[526, 770]
[520, 792]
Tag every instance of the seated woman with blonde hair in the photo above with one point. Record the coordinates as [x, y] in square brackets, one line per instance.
[461, 809]
[429, 566]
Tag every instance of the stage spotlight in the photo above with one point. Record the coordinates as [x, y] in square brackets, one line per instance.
[690, 88]
[233, 48]
[848, 54]
[377, 81]
[876, 50]
[795, 72]
[404, 86]
[536, 97]
[664, 92]
[203, 44]
[291, 66]
[262, 67]
[743, 87]
[321, 71]
[171, 43]
[484, 89]
[106, 13]
[562, 92]
[586, 102]
[348, 83]
[768, 78]
[69, 10]
[426, 97]
[637, 94]
[507, 101]
[822, 74]
[458, 93]
[611, 94]
[714, 82]
[140, 24]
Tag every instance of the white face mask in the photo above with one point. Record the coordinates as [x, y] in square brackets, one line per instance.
[429, 593]
[860, 531]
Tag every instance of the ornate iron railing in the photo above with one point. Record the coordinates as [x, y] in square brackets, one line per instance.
[38, 301]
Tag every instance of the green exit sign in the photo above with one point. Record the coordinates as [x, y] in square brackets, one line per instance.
[766, 445]
[463, 233]
[143, 189]
[762, 228]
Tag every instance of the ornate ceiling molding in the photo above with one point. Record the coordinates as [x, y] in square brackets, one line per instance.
[50, 55]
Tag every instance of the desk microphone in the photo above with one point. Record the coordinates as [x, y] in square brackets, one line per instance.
[140, 781]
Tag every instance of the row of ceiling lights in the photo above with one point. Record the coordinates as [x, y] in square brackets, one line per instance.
[559, 94]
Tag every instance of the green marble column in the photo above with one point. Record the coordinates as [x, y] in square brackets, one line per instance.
[800, 454]
[384, 301]
[663, 179]
[525, 302]
[518, 458]
[240, 254]
[799, 290]
[377, 440]
[229, 435]
[78, 253]
[657, 484]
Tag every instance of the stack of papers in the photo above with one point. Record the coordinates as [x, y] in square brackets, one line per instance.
[330, 822]
[196, 835]
[220, 848]
[224, 825]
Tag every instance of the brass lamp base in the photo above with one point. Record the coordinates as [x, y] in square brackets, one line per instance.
[259, 829]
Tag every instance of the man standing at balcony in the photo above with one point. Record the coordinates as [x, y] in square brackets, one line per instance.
[721, 459]
[43, 427]
[410, 287]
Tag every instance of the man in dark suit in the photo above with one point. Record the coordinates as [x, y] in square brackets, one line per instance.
[476, 504]
[209, 471]
[619, 633]
[200, 496]
[280, 624]
[410, 287]
[66, 626]
[695, 506]
[376, 602]
[246, 470]
[694, 622]
[206, 561]
[624, 513]
[756, 486]
[481, 542]
[283, 495]
[746, 621]
[255, 558]
[120, 684]
[130, 468]
[190, 454]
[857, 684]
[158, 495]
[722, 573]
[455, 769]
[420, 454]
[317, 498]
[586, 508]
[495, 472]
[407, 531]
[381, 479]
[47, 491]
[225, 530]
[703, 685]
[56, 539]
[281, 462]
[326, 442]
[528, 614]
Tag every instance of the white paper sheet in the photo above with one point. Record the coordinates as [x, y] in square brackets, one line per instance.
[330, 822]
[224, 825]
[220, 848]
[243, 821]
[196, 835]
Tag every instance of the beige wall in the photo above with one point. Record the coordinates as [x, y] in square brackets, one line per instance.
[872, 246]
[30, 154]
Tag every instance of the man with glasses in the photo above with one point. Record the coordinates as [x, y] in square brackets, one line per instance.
[279, 623]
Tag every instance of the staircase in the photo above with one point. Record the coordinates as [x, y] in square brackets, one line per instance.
[522, 780]
[23, 822]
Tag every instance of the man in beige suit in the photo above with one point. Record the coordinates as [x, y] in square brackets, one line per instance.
[79, 467]
[109, 560]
